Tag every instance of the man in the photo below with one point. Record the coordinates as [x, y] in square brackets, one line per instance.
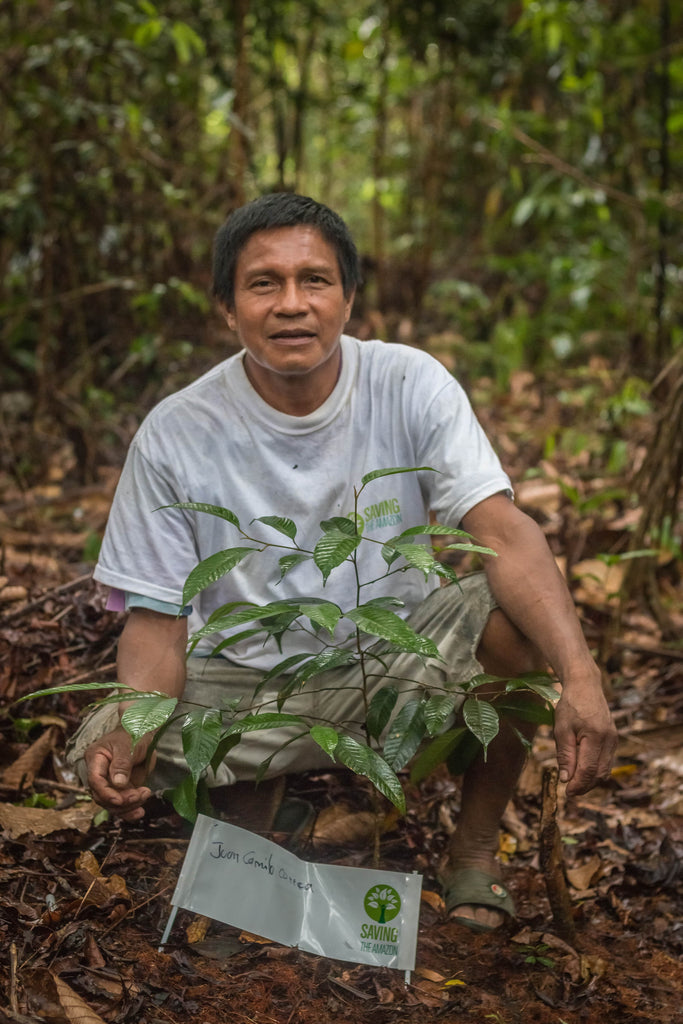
[287, 427]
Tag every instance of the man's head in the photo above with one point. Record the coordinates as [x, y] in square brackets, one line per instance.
[280, 210]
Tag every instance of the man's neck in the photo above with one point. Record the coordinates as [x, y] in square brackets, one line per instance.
[295, 395]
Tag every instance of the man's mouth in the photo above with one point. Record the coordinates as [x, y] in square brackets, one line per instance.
[293, 334]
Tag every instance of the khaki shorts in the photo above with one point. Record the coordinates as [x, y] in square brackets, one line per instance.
[453, 617]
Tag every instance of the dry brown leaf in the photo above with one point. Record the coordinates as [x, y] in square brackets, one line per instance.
[544, 495]
[197, 928]
[100, 889]
[76, 1009]
[28, 764]
[336, 826]
[434, 900]
[599, 584]
[583, 876]
[424, 972]
[93, 953]
[18, 821]
[9, 594]
[250, 937]
[87, 861]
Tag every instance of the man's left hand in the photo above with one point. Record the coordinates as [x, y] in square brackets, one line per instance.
[585, 735]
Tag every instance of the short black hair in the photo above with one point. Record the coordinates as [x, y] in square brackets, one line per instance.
[280, 210]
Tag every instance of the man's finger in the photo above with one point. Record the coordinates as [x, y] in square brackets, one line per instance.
[566, 754]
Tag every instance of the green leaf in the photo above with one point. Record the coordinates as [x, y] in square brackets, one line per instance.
[362, 760]
[225, 745]
[72, 688]
[326, 614]
[184, 798]
[326, 738]
[287, 563]
[201, 732]
[379, 710]
[430, 529]
[473, 548]
[211, 569]
[203, 506]
[525, 711]
[236, 638]
[405, 735]
[437, 710]
[279, 523]
[280, 669]
[481, 718]
[146, 714]
[263, 613]
[389, 626]
[484, 679]
[148, 32]
[224, 610]
[438, 751]
[419, 557]
[385, 602]
[332, 549]
[536, 682]
[186, 41]
[339, 523]
[266, 720]
[331, 658]
[377, 473]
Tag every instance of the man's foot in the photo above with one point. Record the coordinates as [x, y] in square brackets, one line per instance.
[475, 895]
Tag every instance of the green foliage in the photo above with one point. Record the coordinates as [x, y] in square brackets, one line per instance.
[395, 730]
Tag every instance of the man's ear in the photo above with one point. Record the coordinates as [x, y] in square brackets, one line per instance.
[228, 314]
[349, 306]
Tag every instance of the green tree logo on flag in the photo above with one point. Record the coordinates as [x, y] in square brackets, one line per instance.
[382, 903]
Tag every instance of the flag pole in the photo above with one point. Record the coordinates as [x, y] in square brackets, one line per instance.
[167, 929]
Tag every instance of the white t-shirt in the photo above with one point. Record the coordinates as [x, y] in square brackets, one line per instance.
[217, 441]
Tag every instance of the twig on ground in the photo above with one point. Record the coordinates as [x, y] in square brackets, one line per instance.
[38, 602]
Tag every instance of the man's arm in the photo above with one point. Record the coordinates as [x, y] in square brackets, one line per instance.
[531, 591]
[151, 656]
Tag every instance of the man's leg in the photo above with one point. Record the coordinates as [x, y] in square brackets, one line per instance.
[489, 784]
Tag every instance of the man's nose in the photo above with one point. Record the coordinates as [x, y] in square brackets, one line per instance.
[291, 299]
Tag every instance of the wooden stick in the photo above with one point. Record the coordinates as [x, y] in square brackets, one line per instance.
[552, 863]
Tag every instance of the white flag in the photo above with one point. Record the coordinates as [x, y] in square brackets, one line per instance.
[356, 914]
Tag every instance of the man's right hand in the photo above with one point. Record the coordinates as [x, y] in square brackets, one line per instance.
[116, 773]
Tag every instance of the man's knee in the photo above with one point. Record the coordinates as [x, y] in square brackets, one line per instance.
[505, 651]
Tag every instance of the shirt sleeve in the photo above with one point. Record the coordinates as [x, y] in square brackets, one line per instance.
[148, 549]
[453, 442]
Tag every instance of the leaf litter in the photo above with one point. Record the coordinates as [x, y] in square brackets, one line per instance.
[83, 901]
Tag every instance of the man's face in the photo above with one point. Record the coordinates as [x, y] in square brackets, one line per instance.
[289, 312]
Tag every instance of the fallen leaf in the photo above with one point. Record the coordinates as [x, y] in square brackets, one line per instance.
[18, 821]
[583, 876]
[599, 584]
[336, 826]
[28, 764]
[425, 972]
[100, 889]
[76, 1009]
[249, 937]
[197, 929]
[434, 900]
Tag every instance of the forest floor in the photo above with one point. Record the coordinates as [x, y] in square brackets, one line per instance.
[84, 901]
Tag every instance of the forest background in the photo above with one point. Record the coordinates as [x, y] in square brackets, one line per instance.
[511, 172]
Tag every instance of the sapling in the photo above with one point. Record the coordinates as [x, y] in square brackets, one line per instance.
[394, 733]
